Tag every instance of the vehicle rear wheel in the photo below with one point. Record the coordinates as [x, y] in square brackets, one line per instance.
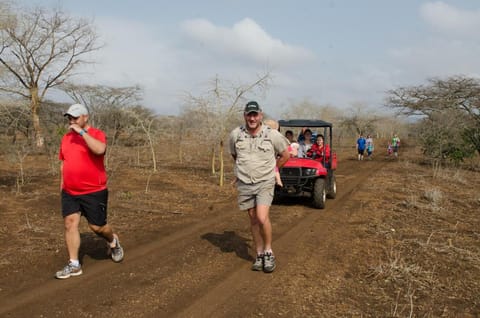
[331, 186]
[319, 194]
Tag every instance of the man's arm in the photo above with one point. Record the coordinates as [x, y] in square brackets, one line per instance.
[95, 145]
[283, 158]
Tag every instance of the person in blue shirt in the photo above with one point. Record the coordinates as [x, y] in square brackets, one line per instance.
[361, 145]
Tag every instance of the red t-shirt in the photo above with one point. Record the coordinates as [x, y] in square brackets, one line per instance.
[83, 171]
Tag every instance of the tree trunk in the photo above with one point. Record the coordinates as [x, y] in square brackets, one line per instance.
[34, 106]
[213, 160]
[220, 155]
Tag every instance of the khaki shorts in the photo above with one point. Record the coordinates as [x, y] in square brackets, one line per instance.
[251, 195]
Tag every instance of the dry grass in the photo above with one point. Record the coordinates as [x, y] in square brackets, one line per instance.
[427, 260]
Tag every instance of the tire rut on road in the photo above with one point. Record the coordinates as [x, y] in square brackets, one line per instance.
[205, 287]
[213, 301]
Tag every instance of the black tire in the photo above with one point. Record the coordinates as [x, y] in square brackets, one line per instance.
[331, 186]
[319, 194]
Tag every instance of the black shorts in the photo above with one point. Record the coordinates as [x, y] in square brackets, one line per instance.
[93, 206]
[361, 151]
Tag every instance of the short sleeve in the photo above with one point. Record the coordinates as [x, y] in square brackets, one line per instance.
[231, 141]
[280, 142]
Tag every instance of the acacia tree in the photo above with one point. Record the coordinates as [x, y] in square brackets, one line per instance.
[39, 50]
[220, 109]
[358, 120]
[452, 103]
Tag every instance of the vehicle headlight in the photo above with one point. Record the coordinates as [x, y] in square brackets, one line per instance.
[309, 171]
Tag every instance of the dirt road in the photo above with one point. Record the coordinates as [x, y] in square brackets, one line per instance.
[202, 268]
[188, 254]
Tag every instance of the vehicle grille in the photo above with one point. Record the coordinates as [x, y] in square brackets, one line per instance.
[295, 177]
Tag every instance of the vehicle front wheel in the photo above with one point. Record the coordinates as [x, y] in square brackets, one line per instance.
[319, 194]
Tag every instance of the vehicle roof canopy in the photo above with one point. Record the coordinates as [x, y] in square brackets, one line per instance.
[303, 123]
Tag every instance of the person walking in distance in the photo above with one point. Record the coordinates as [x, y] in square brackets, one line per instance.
[395, 145]
[257, 150]
[370, 146]
[361, 144]
[84, 187]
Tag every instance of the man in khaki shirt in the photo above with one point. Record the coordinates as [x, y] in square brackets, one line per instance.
[255, 148]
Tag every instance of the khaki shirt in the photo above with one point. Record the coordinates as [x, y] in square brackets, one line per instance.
[256, 155]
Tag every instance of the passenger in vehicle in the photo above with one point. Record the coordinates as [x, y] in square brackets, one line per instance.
[289, 136]
[319, 150]
[305, 144]
[293, 149]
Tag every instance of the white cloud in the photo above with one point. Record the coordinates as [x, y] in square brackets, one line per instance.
[246, 39]
[138, 54]
[451, 20]
[168, 65]
[450, 49]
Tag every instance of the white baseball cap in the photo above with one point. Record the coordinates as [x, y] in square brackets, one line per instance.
[76, 110]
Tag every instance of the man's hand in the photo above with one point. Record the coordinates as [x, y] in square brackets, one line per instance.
[76, 128]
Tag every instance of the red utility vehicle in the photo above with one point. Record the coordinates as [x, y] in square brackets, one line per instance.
[309, 177]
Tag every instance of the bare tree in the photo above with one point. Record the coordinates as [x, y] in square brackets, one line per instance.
[219, 111]
[40, 49]
[145, 122]
[358, 120]
[14, 119]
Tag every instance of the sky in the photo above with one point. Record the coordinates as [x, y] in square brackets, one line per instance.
[330, 52]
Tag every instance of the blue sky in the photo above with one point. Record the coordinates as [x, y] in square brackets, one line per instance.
[335, 52]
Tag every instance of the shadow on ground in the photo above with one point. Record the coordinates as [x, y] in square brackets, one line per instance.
[93, 246]
[229, 242]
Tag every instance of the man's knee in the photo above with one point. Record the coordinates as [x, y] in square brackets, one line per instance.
[262, 219]
[71, 222]
[97, 229]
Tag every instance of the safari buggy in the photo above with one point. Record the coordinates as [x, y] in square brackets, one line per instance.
[307, 177]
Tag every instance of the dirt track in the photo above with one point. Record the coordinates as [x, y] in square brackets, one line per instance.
[203, 269]
[198, 264]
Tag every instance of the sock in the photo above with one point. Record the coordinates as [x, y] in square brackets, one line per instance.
[75, 262]
[269, 251]
[114, 242]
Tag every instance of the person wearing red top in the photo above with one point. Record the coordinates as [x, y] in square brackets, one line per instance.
[84, 187]
[317, 150]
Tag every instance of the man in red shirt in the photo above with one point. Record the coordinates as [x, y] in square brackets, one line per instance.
[84, 187]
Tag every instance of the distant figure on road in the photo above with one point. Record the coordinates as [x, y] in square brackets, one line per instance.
[389, 149]
[361, 145]
[370, 146]
[84, 187]
[395, 145]
[257, 150]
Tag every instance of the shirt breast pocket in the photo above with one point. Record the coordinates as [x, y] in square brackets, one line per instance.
[265, 149]
[241, 145]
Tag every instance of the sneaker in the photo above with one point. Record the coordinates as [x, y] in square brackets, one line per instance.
[269, 263]
[117, 252]
[69, 270]
[258, 264]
